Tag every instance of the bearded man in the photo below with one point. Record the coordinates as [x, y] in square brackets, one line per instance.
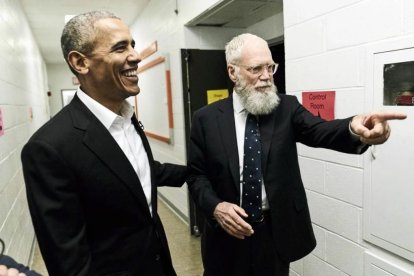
[244, 171]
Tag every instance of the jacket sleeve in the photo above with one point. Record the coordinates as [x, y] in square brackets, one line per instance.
[56, 211]
[166, 174]
[170, 174]
[314, 131]
[198, 182]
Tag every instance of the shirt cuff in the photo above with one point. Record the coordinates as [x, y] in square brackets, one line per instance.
[356, 138]
[354, 135]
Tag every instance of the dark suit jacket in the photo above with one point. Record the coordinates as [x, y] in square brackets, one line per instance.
[214, 168]
[88, 208]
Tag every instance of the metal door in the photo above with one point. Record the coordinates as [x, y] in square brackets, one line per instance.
[204, 70]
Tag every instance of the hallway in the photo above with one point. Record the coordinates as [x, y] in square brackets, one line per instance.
[185, 249]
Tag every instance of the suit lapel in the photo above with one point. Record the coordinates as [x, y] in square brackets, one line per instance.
[99, 140]
[225, 119]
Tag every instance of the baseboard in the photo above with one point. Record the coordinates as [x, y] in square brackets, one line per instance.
[32, 251]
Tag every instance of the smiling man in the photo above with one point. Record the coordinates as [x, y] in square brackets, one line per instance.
[90, 176]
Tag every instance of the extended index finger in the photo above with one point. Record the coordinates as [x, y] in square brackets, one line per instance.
[384, 116]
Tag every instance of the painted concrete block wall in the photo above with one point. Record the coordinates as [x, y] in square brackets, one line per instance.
[326, 44]
[22, 92]
[60, 77]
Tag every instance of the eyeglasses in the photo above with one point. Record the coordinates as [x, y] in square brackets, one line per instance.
[257, 70]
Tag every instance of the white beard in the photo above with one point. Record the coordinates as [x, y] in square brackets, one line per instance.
[257, 102]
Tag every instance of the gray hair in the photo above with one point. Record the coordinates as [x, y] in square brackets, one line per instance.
[234, 47]
[79, 33]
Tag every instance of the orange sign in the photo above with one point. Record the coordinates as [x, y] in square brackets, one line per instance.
[320, 103]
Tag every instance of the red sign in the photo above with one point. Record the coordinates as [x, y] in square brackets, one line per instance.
[404, 100]
[320, 103]
[1, 124]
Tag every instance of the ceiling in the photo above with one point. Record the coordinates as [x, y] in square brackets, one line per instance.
[237, 13]
[47, 19]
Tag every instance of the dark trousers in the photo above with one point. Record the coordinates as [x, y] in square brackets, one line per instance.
[253, 256]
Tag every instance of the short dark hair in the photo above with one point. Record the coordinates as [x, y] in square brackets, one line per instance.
[79, 33]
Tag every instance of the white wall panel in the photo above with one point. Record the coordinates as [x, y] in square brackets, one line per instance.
[345, 255]
[379, 265]
[60, 77]
[22, 86]
[334, 215]
[313, 174]
[344, 183]
[329, 71]
[296, 268]
[317, 267]
[320, 250]
[299, 10]
[408, 18]
[351, 26]
[307, 39]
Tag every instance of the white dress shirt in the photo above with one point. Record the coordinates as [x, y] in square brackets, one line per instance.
[125, 134]
[240, 117]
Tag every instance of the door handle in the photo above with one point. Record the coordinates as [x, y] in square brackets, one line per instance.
[374, 152]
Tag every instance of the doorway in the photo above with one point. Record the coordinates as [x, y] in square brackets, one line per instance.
[204, 70]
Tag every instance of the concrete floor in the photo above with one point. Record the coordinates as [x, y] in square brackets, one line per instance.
[185, 249]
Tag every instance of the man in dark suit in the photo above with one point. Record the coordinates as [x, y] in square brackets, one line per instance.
[90, 175]
[244, 171]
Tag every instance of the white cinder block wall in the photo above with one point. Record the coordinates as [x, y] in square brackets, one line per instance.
[23, 87]
[326, 44]
[60, 77]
